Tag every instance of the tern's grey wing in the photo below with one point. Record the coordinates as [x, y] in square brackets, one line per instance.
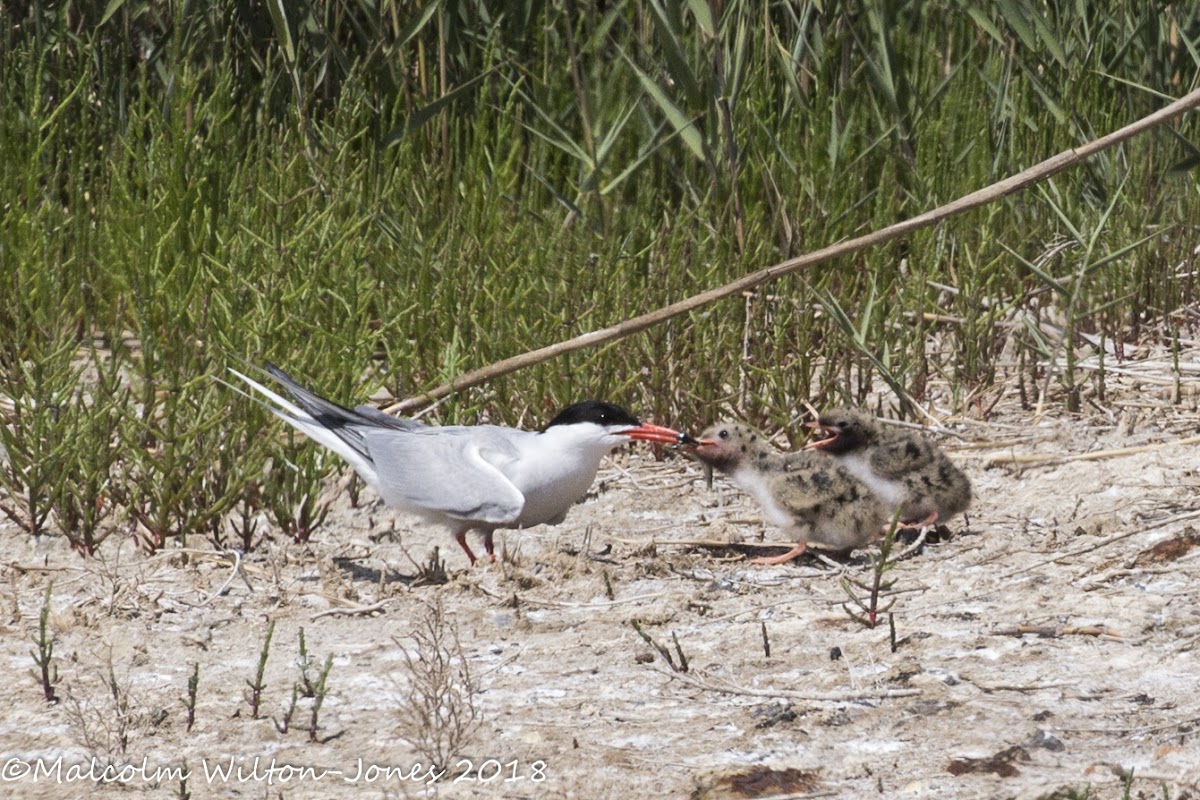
[452, 470]
[387, 420]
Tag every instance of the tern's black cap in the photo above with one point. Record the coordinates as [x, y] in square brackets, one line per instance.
[596, 411]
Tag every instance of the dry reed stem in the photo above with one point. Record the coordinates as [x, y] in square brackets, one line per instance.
[981, 197]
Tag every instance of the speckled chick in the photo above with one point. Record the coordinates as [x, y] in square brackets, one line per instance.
[907, 471]
[806, 494]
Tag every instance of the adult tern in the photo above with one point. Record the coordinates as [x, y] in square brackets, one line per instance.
[466, 477]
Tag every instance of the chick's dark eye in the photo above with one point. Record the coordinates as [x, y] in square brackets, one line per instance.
[724, 434]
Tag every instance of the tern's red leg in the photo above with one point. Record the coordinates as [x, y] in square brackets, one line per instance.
[795, 552]
[461, 538]
[489, 546]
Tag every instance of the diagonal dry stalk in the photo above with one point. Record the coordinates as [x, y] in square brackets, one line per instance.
[981, 197]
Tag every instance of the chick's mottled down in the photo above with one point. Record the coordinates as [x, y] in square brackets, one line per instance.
[907, 471]
[809, 496]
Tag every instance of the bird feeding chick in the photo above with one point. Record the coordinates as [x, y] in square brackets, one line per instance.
[466, 477]
[908, 472]
[809, 496]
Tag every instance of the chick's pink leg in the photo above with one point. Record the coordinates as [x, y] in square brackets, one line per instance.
[795, 552]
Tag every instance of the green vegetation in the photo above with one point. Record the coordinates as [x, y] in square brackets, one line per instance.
[43, 657]
[865, 609]
[387, 194]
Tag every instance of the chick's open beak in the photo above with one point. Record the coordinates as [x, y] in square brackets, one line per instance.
[829, 435]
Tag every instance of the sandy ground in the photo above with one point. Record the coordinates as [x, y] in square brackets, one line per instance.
[1093, 556]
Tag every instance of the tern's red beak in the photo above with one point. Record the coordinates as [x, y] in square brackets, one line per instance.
[656, 433]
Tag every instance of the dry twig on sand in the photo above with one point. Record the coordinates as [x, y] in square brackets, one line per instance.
[350, 609]
[1051, 459]
[1059, 631]
[753, 548]
[711, 544]
[1063, 557]
[710, 683]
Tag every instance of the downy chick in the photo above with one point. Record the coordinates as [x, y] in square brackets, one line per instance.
[807, 495]
[907, 471]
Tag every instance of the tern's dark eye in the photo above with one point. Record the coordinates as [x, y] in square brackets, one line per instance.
[724, 434]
